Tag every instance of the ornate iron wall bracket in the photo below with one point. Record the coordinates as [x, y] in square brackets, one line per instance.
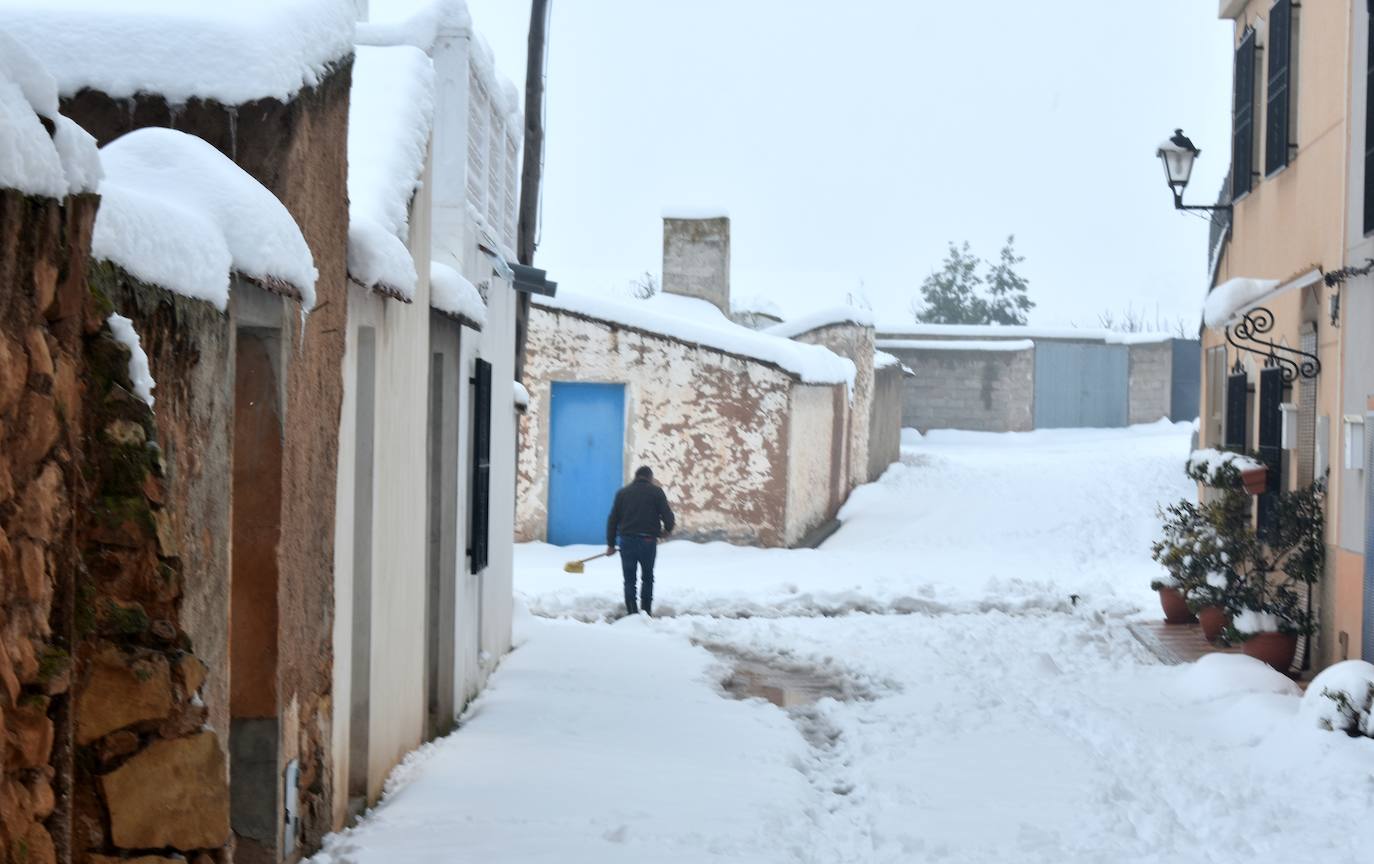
[1294, 363]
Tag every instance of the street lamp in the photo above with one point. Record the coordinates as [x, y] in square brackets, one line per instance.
[1178, 154]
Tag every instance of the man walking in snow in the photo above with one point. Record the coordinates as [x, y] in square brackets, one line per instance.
[639, 516]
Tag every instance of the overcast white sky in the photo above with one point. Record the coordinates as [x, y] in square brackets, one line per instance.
[850, 142]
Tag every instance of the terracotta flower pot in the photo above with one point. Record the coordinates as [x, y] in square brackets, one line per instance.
[1214, 619]
[1276, 649]
[1256, 480]
[1175, 607]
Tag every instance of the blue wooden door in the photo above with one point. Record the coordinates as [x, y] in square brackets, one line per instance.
[586, 459]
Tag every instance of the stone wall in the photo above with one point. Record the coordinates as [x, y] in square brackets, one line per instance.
[714, 426]
[298, 150]
[1150, 382]
[885, 420]
[107, 749]
[815, 448]
[992, 391]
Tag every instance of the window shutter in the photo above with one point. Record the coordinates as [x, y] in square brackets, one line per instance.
[1237, 391]
[1276, 118]
[1369, 129]
[1243, 118]
[481, 466]
[1270, 446]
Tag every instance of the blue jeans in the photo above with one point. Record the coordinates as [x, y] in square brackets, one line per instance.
[638, 552]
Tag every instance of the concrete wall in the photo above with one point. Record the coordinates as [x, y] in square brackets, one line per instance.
[885, 420]
[991, 391]
[814, 446]
[855, 342]
[714, 426]
[1150, 381]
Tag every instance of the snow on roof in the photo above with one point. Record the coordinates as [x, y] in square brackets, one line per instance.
[390, 114]
[1012, 331]
[955, 344]
[412, 22]
[701, 323]
[232, 52]
[695, 213]
[757, 305]
[31, 160]
[453, 295]
[1232, 296]
[882, 360]
[178, 213]
[822, 318]
[522, 396]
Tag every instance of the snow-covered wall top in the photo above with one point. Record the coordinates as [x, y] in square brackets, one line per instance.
[453, 295]
[1232, 296]
[822, 318]
[176, 212]
[955, 344]
[391, 112]
[231, 52]
[1010, 331]
[698, 322]
[412, 22]
[31, 160]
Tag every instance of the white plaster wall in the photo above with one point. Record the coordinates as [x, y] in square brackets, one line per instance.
[811, 449]
[396, 690]
[1357, 308]
[855, 342]
[713, 426]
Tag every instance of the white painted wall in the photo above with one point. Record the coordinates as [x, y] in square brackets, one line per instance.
[1357, 302]
[811, 441]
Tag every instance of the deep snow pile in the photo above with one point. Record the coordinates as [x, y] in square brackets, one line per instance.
[391, 110]
[701, 323]
[176, 212]
[183, 49]
[31, 160]
[967, 521]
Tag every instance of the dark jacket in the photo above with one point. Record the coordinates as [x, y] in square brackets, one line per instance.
[640, 510]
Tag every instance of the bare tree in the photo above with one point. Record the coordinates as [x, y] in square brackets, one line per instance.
[644, 286]
[1132, 320]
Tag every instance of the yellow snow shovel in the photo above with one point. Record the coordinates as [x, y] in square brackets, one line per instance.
[580, 566]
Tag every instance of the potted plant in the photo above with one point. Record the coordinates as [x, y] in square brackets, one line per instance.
[1255, 480]
[1270, 604]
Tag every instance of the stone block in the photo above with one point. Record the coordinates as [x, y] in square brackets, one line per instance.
[121, 690]
[35, 847]
[191, 673]
[14, 373]
[34, 584]
[42, 428]
[30, 735]
[42, 511]
[173, 794]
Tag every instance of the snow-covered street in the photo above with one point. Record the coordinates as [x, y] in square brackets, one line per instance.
[984, 699]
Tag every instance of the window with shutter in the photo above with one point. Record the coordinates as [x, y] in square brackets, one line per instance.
[1270, 446]
[481, 466]
[1277, 115]
[1369, 125]
[1243, 118]
[1237, 392]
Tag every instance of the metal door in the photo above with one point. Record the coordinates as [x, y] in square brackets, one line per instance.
[586, 459]
[1079, 384]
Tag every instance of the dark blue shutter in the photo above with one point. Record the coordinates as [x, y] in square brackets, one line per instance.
[481, 466]
[1369, 127]
[1270, 446]
[1237, 391]
[1276, 118]
[1243, 118]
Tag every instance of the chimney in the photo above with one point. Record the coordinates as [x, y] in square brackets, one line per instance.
[696, 258]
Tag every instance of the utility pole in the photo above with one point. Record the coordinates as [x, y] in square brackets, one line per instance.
[531, 171]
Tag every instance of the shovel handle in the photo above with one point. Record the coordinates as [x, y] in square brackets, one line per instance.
[594, 557]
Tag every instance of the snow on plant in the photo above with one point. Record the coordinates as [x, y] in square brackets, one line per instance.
[1213, 554]
[1341, 699]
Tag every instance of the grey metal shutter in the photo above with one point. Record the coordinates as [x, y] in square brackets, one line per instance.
[1237, 393]
[1270, 447]
[479, 548]
[1243, 118]
[1276, 118]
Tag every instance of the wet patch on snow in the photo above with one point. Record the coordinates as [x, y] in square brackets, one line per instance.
[786, 685]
